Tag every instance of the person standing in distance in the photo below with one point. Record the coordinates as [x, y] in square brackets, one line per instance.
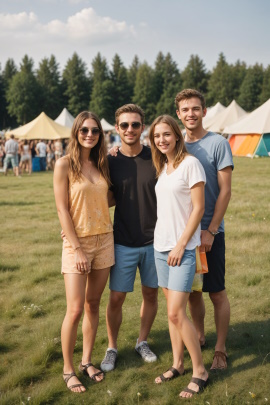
[133, 180]
[214, 153]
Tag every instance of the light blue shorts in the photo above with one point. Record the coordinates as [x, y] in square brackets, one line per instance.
[127, 260]
[10, 158]
[177, 278]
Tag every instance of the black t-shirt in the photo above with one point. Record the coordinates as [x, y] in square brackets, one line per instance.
[133, 184]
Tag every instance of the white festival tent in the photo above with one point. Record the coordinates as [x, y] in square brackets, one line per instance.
[106, 126]
[257, 122]
[213, 111]
[65, 118]
[42, 127]
[230, 115]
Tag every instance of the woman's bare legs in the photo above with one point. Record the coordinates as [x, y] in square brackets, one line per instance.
[177, 346]
[96, 282]
[176, 304]
[75, 294]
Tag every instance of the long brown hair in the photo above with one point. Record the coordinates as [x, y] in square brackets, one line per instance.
[159, 158]
[98, 153]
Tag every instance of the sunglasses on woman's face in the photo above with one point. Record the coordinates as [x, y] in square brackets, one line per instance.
[125, 125]
[94, 131]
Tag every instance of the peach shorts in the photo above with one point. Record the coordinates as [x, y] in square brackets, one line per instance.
[99, 250]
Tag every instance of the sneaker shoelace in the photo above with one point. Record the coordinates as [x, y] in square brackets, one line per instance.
[110, 356]
[145, 349]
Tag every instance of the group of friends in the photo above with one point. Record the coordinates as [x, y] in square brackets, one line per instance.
[169, 199]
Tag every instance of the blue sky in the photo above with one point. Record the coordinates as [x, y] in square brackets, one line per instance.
[39, 28]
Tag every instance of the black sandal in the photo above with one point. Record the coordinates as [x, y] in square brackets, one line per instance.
[83, 368]
[66, 379]
[201, 384]
[175, 374]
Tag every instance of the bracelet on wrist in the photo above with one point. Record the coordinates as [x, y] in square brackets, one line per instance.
[212, 233]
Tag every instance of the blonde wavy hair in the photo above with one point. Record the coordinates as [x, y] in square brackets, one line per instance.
[98, 153]
[159, 158]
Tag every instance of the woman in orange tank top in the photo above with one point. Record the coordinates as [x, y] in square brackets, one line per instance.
[81, 180]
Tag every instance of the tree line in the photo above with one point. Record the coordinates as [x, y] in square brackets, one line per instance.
[26, 92]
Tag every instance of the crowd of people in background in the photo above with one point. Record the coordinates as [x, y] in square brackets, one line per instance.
[18, 155]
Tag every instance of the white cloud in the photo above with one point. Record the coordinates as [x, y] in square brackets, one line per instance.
[86, 25]
[17, 22]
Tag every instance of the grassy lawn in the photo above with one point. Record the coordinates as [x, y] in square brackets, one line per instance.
[32, 306]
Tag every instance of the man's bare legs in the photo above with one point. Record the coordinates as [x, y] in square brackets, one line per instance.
[222, 318]
[114, 314]
[148, 311]
[197, 311]
[221, 314]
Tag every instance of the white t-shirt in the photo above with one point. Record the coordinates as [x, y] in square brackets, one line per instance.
[174, 205]
[42, 147]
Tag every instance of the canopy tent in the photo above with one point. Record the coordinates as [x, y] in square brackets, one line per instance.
[212, 112]
[65, 118]
[250, 136]
[106, 126]
[263, 148]
[41, 127]
[231, 114]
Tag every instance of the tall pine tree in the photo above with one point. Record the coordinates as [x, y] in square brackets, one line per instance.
[265, 94]
[172, 84]
[195, 75]
[23, 94]
[132, 74]
[220, 85]
[144, 90]
[48, 76]
[102, 97]
[251, 88]
[76, 84]
[9, 71]
[122, 89]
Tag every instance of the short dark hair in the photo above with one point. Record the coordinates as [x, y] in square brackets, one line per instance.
[189, 93]
[129, 108]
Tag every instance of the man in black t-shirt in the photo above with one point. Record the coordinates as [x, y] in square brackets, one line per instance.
[133, 181]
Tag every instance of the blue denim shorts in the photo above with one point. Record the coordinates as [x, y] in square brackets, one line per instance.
[127, 260]
[177, 278]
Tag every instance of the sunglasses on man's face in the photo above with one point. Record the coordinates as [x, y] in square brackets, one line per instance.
[94, 131]
[125, 125]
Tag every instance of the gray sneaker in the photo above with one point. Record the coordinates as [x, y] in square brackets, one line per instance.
[108, 363]
[144, 351]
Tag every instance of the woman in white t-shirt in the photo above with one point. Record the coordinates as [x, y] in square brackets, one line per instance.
[180, 207]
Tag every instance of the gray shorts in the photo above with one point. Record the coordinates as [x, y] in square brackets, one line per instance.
[127, 260]
[10, 158]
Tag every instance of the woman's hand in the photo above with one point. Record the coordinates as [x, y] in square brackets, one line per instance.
[175, 256]
[81, 261]
[113, 151]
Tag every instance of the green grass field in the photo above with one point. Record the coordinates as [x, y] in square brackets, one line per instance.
[32, 306]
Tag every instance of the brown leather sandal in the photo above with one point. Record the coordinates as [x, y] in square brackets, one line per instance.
[83, 368]
[67, 378]
[175, 374]
[220, 360]
[202, 384]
